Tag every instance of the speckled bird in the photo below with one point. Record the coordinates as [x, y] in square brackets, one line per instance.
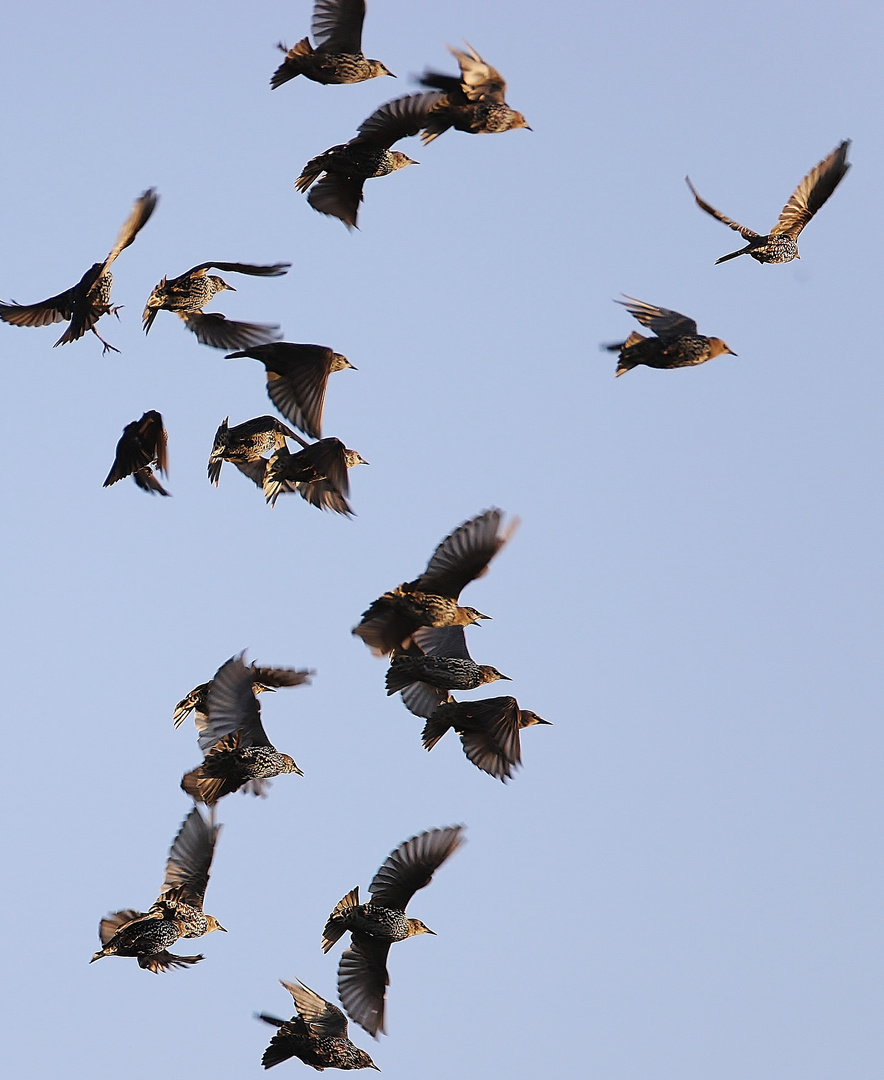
[143, 444]
[177, 913]
[237, 751]
[189, 293]
[243, 444]
[780, 245]
[318, 473]
[474, 103]
[362, 973]
[489, 730]
[297, 376]
[89, 299]
[677, 343]
[317, 1034]
[431, 599]
[338, 56]
[348, 165]
[435, 662]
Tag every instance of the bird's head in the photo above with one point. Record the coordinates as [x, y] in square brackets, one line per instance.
[717, 347]
[528, 719]
[213, 924]
[288, 765]
[400, 160]
[339, 362]
[220, 284]
[469, 615]
[415, 926]
[353, 457]
[517, 120]
[491, 674]
[377, 68]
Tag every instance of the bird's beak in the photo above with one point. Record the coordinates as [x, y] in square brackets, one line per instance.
[506, 678]
[411, 161]
[222, 929]
[731, 351]
[540, 720]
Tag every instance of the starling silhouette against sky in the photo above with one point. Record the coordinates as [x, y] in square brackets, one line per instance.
[318, 473]
[474, 102]
[188, 294]
[317, 1035]
[348, 165]
[435, 662]
[677, 343]
[374, 926]
[338, 56]
[178, 913]
[142, 445]
[489, 730]
[781, 243]
[89, 299]
[243, 445]
[297, 376]
[237, 750]
[431, 599]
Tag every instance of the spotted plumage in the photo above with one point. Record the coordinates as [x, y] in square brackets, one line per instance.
[238, 753]
[489, 730]
[347, 166]
[338, 56]
[178, 911]
[676, 344]
[143, 444]
[318, 473]
[245, 443]
[431, 599]
[374, 926]
[189, 293]
[297, 376]
[88, 300]
[781, 243]
[435, 662]
[474, 103]
[317, 1034]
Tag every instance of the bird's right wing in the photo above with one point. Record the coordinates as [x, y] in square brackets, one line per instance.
[747, 234]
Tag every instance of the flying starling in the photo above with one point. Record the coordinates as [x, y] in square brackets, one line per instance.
[317, 1035]
[244, 444]
[435, 662]
[677, 343]
[142, 445]
[348, 165]
[475, 102]
[362, 974]
[297, 376]
[89, 299]
[489, 730]
[431, 599]
[177, 913]
[188, 294]
[231, 735]
[266, 680]
[318, 473]
[338, 56]
[781, 243]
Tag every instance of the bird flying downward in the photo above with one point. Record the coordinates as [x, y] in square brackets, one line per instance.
[338, 56]
[189, 293]
[374, 926]
[177, 913]
[243, 444]
[677, 343]
[780, 245]
[142, 445]
[89, 299]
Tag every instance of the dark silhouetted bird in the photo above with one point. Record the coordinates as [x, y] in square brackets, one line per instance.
[677, 343]
[435, 662]
[188, 294]
[178, 913]
[348, 165]
[243, 445]
[781, 243]
[474, 102]
[362, 973]
[431, 599]
[489, 730]
[317, 1035]
[142, 445]
[89, 299]
[297, 376]
[237, 750]
[338, 56]
[318, 473]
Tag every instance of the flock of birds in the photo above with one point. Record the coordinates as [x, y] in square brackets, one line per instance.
[419, 624]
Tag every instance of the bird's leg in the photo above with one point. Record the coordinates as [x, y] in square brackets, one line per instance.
[115, 310]
[107, 345]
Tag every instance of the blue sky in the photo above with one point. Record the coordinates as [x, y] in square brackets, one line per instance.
[682, 881]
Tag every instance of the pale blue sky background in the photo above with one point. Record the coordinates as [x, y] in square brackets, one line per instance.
[683, 883]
